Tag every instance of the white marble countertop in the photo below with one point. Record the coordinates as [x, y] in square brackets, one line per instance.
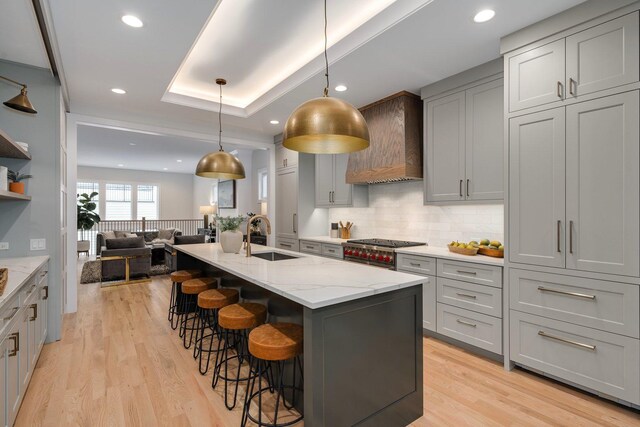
[309, 280]
[20, 270]
[324, 239]
[438, 252]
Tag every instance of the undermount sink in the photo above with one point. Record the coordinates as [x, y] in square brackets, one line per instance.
[273, 256]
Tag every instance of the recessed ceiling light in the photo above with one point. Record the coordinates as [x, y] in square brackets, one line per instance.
[179, 161]
[341, 88]
[274, 122]
[132, 144]
[165, 169]
[132, 21]
[484, 16]
[120, 165]
[118, 91]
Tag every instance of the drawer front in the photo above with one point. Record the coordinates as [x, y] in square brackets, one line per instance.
[28, 289]
[416, 264]
[609, 306]
[472, 328]
[310, 247]
[608, 363]
[8, 312]
[288, 244]
[478, 298]
[469, 272]
[429, 304]
[334, 251]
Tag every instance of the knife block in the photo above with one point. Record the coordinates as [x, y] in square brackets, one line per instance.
[345, 233]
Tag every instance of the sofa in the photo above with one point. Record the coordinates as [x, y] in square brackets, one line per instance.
[125, 260]
[151, 238]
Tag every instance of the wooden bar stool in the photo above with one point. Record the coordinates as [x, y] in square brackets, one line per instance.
[209, 302]
[177, 277]
[236, 319]
[189, 311]
[274, 343]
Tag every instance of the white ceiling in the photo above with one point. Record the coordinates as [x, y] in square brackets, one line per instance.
[20, 39]
[104, 147]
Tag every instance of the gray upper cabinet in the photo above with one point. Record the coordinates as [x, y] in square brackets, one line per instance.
[342, 192]
[332, 189]
[285, 158]
[602, 57]
[287, 203]
[536, 76]
[324, 179]
[465, 145]
[537, 188]
[445, 142]
[485, 142]
[603, 192]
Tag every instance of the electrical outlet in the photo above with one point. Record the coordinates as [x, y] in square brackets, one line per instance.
[4, 246]
[38, 244]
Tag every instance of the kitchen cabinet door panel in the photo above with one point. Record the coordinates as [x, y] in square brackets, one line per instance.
[14, 384]
[285, 158]
[604, 56]
[485, 142]
[3, 382]
[341, 190]
[537, 188]
[445, 148]
[287, 203]
[536, 77]
[324, 180]
[603, 178]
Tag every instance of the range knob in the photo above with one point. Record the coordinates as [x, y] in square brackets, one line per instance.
[356, 253]
[380, 258]
[363, 255]
[387, 259]
[372, 256]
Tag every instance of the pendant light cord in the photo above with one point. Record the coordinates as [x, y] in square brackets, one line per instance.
[326, 60]
[220, 119]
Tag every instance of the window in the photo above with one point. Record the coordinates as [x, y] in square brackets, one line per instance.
[147, 202]
[263, 185]
[117, 201]
[90, 187]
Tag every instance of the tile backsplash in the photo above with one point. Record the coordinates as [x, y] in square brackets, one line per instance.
[396, 211]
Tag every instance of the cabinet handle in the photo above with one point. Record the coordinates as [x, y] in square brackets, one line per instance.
[295, 216]
[310, 247]
[46, 292]
[466, 295]
[473, 325]
[333, 197]
[286, 245]
[460, 188]
[14, 310]
[559, 90]
[576, 343]
[34, 307]
[15, 337]
[473, 273]
[572, 83]
[559, 225]
[415, 264]
[570, 237]
[467, 188]
[573, 294]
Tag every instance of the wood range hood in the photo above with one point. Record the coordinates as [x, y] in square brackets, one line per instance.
[395, 151]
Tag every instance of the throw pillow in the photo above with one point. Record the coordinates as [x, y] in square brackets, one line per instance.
[120, 234]
[130, 235]
[125, 243]
[166, 234]
[108, 235]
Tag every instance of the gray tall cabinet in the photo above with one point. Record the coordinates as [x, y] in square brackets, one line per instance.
[572, 106]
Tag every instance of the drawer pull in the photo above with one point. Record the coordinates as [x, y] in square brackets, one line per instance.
[559, 90]
[34, 307]
[15, 337]
[466, 295]
[309, 247]
[473, 325]
[572, 294]
[14, 310]
[331, 250]
[46, 292]
[473, 273]
[415, 264]
[285, 245]
[576, 343]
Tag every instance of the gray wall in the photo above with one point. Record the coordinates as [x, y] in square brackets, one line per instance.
[40, 218]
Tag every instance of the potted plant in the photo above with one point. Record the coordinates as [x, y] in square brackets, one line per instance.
[87, 218]
[16, 185]
[230, 234]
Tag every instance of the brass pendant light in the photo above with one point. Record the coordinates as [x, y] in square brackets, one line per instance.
[20, 102]
[326, 125]
[220, 164]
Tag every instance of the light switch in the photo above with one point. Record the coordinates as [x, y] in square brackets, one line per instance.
[4, 246]
[38, 244]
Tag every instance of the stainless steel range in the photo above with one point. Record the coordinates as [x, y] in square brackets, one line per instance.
[377, 252]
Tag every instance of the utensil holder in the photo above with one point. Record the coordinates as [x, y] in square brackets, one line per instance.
[345, 233]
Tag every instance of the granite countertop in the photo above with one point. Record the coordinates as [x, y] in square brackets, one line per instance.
[439, 252]
[324, 239]
[20, 270]
[309, 280]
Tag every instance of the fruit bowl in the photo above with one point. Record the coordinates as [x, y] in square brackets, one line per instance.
[496, 253]
[462, 251]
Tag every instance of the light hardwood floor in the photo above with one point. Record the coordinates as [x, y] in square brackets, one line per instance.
[120, 364]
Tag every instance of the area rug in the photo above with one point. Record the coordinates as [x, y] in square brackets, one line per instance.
[91, 271]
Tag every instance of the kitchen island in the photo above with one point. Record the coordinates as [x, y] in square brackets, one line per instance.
[362, 331]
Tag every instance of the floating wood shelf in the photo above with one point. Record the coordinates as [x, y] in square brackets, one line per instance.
[9, 195]
[9, 148]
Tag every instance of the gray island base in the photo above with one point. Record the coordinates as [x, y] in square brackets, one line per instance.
[363, 354]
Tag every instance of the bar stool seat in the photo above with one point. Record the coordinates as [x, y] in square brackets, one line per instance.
[184, 275]
[189, 311]
[201, 284]
[217, 298]
[276, 341]
[177, 277]
[244, 315]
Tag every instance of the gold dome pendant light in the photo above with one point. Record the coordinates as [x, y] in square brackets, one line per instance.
[220, 164]
[326, 125]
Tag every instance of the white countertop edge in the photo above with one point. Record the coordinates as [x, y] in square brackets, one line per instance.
[337, 300]
[13, 284]
[324, 239]
[439, 252]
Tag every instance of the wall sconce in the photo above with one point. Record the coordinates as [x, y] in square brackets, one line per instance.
[19, 102]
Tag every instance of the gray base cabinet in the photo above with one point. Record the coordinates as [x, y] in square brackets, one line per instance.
[328, 250]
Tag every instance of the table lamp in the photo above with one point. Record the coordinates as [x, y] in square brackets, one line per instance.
[206, 211]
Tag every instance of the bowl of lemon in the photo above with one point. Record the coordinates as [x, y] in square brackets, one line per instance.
[470, 248]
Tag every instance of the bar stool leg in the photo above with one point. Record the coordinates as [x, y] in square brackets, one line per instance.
[173, 306]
